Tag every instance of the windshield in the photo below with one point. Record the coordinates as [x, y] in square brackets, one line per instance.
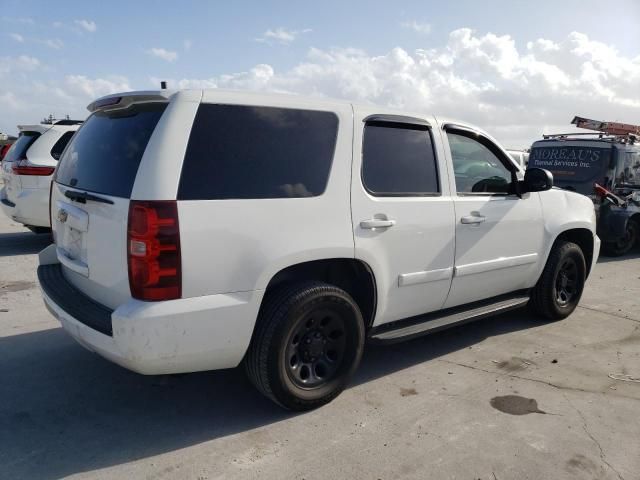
[105, 153]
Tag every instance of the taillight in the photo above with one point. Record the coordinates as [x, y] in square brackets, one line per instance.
[23, 167]
[153, 250]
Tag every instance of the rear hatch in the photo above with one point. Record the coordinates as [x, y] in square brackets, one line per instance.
[17, 152]
[91, 194]
[575, 165]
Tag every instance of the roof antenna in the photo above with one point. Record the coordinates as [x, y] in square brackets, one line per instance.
[163, 85]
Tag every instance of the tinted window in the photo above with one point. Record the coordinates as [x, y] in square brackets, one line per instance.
[477, 169]
[105, 152]
[58, 147]
[398, 160]
[18, 150]
[257, 152]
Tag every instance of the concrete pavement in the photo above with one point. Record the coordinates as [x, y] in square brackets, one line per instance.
[504, 398]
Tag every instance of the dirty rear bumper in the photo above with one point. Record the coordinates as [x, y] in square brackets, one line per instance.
[176, 336]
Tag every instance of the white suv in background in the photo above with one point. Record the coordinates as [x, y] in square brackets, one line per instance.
[27, 170]
[199, 229]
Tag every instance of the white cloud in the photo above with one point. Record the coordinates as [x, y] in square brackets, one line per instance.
[17, 37]
[419, 27]
[187, 44]
[92, 88]
[54, 43]
[87, 25]
[516, 94]
[280, 35]
[22, 63]
[166, 55]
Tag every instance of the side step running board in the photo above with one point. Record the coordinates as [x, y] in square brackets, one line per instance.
[431, 322]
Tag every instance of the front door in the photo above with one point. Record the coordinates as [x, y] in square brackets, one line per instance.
[402, 212]
[499, 236]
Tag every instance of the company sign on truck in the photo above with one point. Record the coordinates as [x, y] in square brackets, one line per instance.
[574, 164]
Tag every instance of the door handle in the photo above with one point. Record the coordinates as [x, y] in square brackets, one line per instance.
[472, 219]
[377, 223]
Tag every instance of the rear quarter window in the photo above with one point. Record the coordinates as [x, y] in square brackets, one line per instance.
[58, 147]
[105, 153]
[18, 150]
[244, 152]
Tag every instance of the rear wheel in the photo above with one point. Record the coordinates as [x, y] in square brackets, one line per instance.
[307, 344]
[624, 243]
[558, 291]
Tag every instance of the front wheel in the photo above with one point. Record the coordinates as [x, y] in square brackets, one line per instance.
[624, 243]
[307, 344]
[558, 291]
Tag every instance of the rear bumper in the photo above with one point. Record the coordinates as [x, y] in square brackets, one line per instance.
[177, 336]
[31, 207]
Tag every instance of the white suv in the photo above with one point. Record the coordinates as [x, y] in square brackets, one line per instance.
[27, 170]
[199, 229]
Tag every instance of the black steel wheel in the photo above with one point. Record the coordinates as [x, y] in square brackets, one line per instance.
[558, 291]
[566, 281]
[625, 243]
[307, 344]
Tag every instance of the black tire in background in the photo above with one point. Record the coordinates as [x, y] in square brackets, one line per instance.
[625, 243]
[307, 344]
[558, 291]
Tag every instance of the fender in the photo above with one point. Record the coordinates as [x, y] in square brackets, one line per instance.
[564, 210]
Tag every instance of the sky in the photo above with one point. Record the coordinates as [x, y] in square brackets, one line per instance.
[515, 68]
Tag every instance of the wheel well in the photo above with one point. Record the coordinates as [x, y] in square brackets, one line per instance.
[584, 239]
[353, 276]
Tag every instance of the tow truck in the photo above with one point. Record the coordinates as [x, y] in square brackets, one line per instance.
[603, 164]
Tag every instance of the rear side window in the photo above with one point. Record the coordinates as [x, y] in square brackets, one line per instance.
[62, 142]
[105, 153]
[398, 160]
[18, 150]
[242, 152]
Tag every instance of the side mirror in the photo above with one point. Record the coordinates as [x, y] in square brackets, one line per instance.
[537, 180]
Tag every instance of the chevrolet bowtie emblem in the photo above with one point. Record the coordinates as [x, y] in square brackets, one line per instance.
[62, 215]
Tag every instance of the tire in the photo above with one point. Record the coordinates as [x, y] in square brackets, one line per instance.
[558, 291]
[307, 344]
[625, 243]
[38, 230]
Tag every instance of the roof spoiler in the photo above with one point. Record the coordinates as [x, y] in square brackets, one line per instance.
[119, 101]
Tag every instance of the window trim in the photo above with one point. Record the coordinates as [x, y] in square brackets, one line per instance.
[401, 123]
[482, 139]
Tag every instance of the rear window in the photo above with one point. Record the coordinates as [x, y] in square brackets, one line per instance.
[242, 152]
[105, 153]
[62, 142]
[18, 150]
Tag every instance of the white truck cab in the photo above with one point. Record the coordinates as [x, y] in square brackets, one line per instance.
[199, 229]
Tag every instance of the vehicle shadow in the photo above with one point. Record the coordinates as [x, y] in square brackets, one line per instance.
[634, 254]
[23, 243]
[65, 410]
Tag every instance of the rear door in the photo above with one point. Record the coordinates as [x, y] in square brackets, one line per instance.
[90, 198]
[402, 213]
[499, 235]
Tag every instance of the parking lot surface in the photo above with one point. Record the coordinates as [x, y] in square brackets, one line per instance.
[505, 398]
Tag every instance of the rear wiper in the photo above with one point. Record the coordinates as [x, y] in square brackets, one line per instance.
[82, 197]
